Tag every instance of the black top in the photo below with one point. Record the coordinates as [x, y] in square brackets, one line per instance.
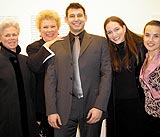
[16, 84]
[72, 38]
[125, 80]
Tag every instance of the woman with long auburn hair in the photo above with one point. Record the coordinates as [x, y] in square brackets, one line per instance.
[125, 109]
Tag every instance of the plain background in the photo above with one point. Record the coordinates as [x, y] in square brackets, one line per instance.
[135, 13]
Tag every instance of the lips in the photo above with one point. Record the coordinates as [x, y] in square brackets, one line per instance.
[77, 24]
[150, 44]
[50, 35]
[11, 43]
[116, 38]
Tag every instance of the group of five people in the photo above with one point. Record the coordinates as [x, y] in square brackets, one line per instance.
[119, 77]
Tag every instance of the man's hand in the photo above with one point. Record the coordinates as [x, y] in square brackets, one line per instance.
[94, 115]
[54, 120]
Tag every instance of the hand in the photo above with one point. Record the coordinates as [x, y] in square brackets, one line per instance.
[49, 43]
[54, 120]
[94, 115]
[38, 122]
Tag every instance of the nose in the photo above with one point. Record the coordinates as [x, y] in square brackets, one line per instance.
[76, 18]
[50, 29]
[114, 33]
[151, 38]
[12, 36]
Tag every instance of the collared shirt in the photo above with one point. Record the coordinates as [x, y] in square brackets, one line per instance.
[149, 79]
[149, 76]
[72, 38]
[50, 51]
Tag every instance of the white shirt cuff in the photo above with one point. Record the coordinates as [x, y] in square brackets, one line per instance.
[50, 51]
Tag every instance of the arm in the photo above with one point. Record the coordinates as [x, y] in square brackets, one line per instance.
[105, 78]
[37, 54]
[50, 86]
[95, 114]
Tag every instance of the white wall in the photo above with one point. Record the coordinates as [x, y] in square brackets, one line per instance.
[135, 13]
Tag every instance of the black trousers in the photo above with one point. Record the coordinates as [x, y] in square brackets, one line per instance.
[152, 126]
[78, 119]
[126, 119]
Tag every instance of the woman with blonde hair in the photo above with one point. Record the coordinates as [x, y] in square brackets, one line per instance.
[48, 23]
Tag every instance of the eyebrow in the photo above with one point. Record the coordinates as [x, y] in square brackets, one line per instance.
[153, 34]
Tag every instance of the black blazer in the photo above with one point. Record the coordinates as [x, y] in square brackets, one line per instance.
[37, 54]
[16, 87]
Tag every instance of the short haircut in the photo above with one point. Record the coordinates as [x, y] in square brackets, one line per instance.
[9, 23]
[75, 6]
[47, 15]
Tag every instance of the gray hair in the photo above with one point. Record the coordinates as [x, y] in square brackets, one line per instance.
[9, 23]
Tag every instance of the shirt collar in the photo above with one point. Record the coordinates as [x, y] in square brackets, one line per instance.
[80, 35]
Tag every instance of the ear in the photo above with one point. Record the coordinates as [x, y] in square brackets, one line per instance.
[66, 19]
[124, 27]
[86, 17]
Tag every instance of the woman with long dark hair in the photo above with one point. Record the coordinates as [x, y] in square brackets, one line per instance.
[125, 109]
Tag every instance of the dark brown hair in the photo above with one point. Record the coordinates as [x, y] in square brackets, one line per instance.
[75, 6]
[131, 40]
[152, 23]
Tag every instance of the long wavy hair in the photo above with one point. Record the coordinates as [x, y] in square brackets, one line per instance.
[131, 40]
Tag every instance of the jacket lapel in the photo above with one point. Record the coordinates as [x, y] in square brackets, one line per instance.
[67, 46]
[154, 64]
[85, 43]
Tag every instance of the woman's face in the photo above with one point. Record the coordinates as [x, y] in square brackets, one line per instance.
[48, 30]
[115, 32]
[152, 38]
[9, 38]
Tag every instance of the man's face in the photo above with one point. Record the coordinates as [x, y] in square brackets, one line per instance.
[76, 20]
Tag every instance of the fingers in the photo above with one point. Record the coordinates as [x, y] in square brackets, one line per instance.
[59, 122]
[93, 120]
[49, 43]
[95, 116]
[54, 121]
[54, 124]
[89, 115]
[59, 38]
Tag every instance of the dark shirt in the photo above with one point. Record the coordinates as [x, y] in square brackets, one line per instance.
[121, 50]
[72, 38]
[125, 81]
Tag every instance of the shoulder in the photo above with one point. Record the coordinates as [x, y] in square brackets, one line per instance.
[22, 56]
[141, 47]
[96, 38]
[36, 43]
[60, 43]
[138, 38]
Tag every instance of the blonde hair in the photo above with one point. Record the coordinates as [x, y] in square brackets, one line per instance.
[9, 23]
[47, 15]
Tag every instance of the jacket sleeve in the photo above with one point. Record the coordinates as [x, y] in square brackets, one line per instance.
[37, 54]
[50, 86]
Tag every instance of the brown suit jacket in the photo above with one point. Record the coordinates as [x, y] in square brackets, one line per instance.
[95, 73]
